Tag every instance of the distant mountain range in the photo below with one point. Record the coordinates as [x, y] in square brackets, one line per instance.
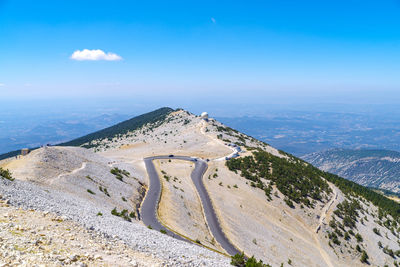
[372, 168]
[55, 131]
[303, 132]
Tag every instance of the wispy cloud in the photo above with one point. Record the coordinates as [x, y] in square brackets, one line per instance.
[213, 20]
[95, 54]
[2, 84]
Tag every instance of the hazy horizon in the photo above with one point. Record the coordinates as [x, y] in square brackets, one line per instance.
[250, 52]
[73, 61]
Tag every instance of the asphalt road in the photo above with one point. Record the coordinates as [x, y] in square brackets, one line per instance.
[149, 207]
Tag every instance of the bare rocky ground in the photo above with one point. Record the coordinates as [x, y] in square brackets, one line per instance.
[64, 193]
[32, 238]
[270, 230]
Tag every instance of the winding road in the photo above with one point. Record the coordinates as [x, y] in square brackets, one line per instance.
[149, 206]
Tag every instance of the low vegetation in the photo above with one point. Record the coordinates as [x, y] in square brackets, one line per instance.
[300, 181]
[6, 174]
[364, 257]
[104, 190]
[241, 261]
[294, 179]
[124, 214]
[119, 174]
[91, 192]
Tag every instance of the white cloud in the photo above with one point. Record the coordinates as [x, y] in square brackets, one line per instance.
[95, 54]
[213, 20]
[2, 84]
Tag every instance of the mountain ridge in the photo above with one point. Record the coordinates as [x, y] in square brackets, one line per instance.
[368, 167]
[122, 127]
[268, 202]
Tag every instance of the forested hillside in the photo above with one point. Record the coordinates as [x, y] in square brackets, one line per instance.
[121, 128]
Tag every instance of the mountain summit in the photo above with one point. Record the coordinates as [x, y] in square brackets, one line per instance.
[210, 185]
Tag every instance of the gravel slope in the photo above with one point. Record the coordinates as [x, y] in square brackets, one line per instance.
[64, 193]
[170, 251]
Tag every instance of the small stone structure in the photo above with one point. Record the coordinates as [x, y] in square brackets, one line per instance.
[24, 151]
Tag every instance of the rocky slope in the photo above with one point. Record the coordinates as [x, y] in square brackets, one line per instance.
[56, 181]
[30, 237]
[372, 168]
[268, 203]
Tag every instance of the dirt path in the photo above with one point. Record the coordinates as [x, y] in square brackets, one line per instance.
[316, 244]
[326, 209]
[71, 172]
[203, 125]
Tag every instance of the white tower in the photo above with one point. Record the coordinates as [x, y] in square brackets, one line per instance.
[204, 116]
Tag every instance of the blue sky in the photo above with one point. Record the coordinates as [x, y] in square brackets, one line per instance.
[236, 50]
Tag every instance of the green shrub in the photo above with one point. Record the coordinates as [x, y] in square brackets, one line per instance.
[104, 190]
[238, 260]
[359, 237]
[119, 173]
[123, 214]
[388, 251]
[252, 262]
[364, 257]
[91, 192]
[376, 231]
[6, 174]
[346, 236]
